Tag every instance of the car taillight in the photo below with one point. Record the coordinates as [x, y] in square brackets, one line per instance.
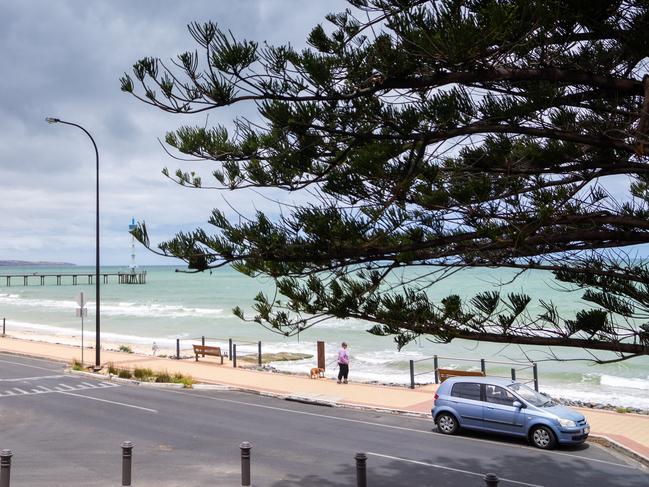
[436, 396]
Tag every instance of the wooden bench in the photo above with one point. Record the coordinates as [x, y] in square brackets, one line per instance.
[206, 350]
[444, 374]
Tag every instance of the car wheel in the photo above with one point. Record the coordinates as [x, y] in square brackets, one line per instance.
[543, 437]
[447, 424]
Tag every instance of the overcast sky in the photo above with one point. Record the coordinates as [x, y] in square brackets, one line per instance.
[63, 59]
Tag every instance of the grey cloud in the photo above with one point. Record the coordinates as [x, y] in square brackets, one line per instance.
[64, 59]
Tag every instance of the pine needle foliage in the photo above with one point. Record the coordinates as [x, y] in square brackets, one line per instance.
[438, 135]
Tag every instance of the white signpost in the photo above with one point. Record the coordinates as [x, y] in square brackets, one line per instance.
[82, 312]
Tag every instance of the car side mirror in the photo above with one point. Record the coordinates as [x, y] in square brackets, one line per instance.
[518, 404]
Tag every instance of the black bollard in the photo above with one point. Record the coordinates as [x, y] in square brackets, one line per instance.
[361, 470]
[5, 467]
[230, 346]
[259, 352]
[535, 371]
[513, 374]
[436, 366]
[127, 458]
[234, 355]
[178, 348]
[3, 326]
[245, 463]
[412, 374]
[491, 480]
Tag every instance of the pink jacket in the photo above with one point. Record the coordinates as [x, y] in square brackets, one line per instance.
[343, 356]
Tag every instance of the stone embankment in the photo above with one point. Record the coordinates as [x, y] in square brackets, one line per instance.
[604, 407]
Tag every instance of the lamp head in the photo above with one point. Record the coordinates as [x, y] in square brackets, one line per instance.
[52, 120]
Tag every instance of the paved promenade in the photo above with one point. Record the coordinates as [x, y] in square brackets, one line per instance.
[631, 431]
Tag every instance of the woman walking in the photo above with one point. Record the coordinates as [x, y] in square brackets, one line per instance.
[343, 364]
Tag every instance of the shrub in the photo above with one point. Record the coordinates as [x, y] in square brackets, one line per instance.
[623, 410]
[124, 374]
[112, 369]
[185, 380]
[143, 374]
[76, 365]
[125, 348]
[163, 377]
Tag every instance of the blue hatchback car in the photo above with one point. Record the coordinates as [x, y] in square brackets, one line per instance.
[504, 406]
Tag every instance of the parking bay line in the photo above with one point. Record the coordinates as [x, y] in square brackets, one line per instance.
[20, 379]
[443, 467]
[403, 428]
[26, 365]
[106, 400]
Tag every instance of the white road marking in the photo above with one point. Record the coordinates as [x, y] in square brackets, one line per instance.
[110, 402]
[403, 428]
[59, 388]
[89, 384]
[443, 467]
[26, 365]
[34, 359]
[20, 379]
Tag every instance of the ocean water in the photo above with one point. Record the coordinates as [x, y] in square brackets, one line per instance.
[180, 305]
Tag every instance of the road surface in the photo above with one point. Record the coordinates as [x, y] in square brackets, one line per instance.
[67, 430]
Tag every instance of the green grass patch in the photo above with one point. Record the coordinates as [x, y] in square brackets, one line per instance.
[163, 377]
[146, 374]
[177, 378]
[124, 374]
[76, 365]
[186, 380]
[143, 374]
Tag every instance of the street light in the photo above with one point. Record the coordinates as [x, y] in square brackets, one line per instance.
[97, 315]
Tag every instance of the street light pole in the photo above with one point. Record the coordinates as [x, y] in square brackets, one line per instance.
[97, 300]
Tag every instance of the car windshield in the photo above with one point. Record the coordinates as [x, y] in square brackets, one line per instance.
[530, 395]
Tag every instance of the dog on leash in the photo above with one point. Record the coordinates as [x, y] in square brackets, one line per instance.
[317, 372]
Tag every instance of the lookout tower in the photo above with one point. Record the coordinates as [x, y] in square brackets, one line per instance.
[132, 227]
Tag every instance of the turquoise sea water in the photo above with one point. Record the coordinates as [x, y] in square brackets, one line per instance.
[179, 305]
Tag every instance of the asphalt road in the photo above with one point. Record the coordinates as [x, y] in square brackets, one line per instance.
[67, 430]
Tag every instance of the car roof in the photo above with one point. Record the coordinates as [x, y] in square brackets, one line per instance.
[499, 381]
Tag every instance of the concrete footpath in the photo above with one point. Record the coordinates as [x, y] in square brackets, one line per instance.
[629, 432]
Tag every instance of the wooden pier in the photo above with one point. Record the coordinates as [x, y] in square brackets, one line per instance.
[72, 278]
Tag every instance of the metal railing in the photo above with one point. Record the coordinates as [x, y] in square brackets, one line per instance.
[490, 479]
[519, 367]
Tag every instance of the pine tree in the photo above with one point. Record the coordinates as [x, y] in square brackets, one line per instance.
[436, 135]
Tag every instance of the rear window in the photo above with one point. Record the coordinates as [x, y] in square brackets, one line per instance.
[466, 390]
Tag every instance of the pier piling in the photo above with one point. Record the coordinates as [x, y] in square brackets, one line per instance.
[60, 279]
